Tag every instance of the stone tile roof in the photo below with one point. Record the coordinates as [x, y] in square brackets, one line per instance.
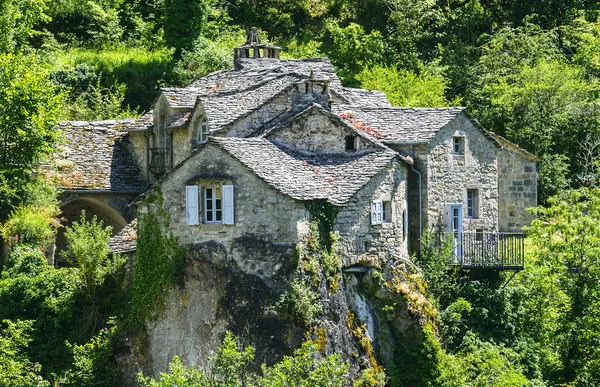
[125, 240]
[334, 177]
[231, 94]
[96, 156]
[399, 125]
[362, 97]
[180, 119]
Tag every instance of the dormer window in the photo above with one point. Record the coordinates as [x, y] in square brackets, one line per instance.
[351, 143]
[203, 130]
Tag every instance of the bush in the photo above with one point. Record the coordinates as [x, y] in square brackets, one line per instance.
[31, 225]
[16, 370]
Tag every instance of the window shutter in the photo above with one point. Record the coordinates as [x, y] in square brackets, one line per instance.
[191, 205]
[405, 221]
[227, 192]
[377, 212]
[448, 217]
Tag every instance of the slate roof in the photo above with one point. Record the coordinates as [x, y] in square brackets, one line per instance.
[333, 177]
[125, 240]
[231, 94]
[362, 97]
[96, 156]
[399, 125]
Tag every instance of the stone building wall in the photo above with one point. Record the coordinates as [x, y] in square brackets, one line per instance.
[139, 147]
[364, 243]
[245, 127]
[315, 132]
[517, 188]
[264, 232]
[448, 176]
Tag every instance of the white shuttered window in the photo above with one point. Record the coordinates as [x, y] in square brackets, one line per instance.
[227, 204]
[376, 212]
[191, 205]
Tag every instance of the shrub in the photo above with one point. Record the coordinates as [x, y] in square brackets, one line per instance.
[31, 225]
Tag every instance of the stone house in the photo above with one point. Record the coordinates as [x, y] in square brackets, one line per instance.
[238, 154]
[242, 156]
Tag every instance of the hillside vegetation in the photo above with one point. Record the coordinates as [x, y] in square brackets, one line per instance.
[527, 70]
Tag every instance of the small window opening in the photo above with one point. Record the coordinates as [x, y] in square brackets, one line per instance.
[387, 212]
[203, 130]
[479, 235]
[472, 203]
[459, 145]
[212, 205]
[351, 142]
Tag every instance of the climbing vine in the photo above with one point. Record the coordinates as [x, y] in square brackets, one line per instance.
[323, 214]
[319, 265]
[159, 261]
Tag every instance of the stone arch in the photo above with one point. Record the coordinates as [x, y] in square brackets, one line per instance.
[71, 211]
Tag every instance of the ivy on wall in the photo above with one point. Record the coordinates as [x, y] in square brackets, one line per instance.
[159, 261]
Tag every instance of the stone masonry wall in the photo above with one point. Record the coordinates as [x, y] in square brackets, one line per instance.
[448, 176]
[245, 127]
[264, 232]
[517, 188]
[138, 147]
[314, 132]
[364, 243]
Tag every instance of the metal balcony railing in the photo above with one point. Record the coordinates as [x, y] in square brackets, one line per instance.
[485, 250]
[158, 161]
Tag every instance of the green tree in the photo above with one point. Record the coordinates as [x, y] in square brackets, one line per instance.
[405, 88]
[232, 367]
[29, 107]
[16, 370]
[18, 22]
[183, 23]
[566, 235]
[87, 249]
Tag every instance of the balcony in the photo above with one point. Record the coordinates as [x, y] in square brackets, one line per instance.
[485, 250]
[158, 161]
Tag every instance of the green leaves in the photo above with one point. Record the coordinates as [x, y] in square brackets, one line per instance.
[29, 110]
[405, 88]
[232, 367]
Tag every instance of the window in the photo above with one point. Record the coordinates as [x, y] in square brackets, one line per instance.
[377, 212]
[387, 212]
[203, 130]
[479, 235]
[472, 203]
[217, 206]
[351, 143]
[213, 211]
[381, 212]
[458, 145]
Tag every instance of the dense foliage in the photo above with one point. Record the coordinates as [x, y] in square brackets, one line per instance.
[527, 70]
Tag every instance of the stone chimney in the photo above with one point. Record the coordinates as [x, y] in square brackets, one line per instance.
[312, 90]
[254, 48]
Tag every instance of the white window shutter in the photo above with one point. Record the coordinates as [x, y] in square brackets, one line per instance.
[227, 192]
[376, 212]
[191, 205]
[448, 217]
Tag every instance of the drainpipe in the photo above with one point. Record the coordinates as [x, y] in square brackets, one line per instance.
[412, 149]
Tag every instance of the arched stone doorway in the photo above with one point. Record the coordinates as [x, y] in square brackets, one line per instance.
[71, 211]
